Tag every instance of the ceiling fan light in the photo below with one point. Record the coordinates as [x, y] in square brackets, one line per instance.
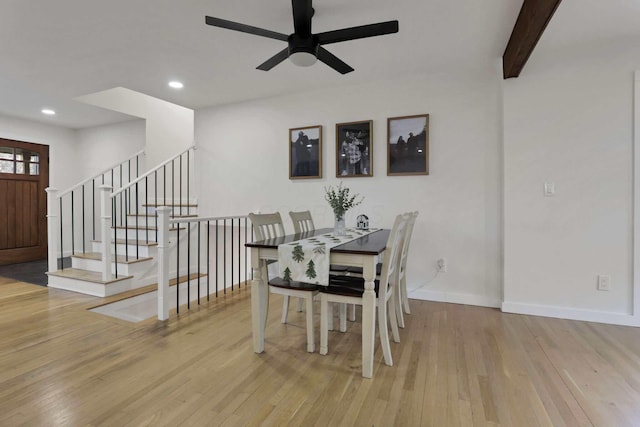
[303, 59]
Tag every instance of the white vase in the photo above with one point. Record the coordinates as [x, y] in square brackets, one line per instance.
[339, 228]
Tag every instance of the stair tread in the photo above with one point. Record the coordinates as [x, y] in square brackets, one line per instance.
[170, 216]
[97, 256]
[131, 242]
[184, 205]
[85, 275]
[150, 228]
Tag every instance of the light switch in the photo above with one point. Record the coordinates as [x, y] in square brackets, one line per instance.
[549, 189]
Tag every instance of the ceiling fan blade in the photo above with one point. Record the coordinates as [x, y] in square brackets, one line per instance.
[230, 25]
[302, 13]
[333, 61]
[274, 60]
[360, 32]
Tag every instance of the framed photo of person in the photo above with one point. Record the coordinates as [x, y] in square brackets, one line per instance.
[354, 149]
[408, 145]
[305, 152]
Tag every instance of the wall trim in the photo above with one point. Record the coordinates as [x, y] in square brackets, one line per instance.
[636, 198]
[570, 313]
[453, 297]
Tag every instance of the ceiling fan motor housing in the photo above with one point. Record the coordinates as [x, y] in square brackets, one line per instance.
[303, 51]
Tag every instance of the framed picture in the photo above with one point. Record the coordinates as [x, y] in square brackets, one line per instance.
[408, 145]
[354, 149]
[305, 152]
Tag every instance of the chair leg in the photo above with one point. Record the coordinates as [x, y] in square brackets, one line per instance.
[330, 316]
[310, 338]
[384, 332]
[324, 323]
[300, 305]
[393, 318]
[352, 313]
[396, 300]
[405, 296]
[285, 308]
[342, 309]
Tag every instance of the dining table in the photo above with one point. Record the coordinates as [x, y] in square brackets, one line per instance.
[364, 252]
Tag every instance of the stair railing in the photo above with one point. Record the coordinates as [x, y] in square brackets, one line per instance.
[134, 206]
[74, 212]
[203, 257]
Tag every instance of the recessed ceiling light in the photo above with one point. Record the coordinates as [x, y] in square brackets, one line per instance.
[48, 111]
[176, 84]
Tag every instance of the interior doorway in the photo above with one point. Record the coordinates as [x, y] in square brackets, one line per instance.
[24, 175]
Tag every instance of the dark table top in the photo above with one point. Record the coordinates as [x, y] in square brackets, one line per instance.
[371, 244]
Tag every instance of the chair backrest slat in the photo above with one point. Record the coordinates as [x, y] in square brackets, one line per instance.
[302, 221]
[267, 226]
[406, 241]
[390, 263]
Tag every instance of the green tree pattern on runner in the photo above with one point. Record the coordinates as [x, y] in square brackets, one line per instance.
[298, 254]
[287, 274]
[311, 270]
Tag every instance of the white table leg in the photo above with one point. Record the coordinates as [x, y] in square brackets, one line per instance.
[368, 317]
[259, 301]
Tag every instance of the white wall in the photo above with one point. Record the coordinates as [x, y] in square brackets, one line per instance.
[169, 127]
[243, 165]
[104, 146]
[569, 120]
[63, 154]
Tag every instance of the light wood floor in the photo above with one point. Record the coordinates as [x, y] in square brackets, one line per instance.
[455, 366]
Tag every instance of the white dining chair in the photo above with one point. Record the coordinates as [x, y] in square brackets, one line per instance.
[268, 226]
[403, 297]
[349, 289]
[302, 223]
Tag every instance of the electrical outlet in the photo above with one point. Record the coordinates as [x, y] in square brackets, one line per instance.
[442, 265]
[604, 283]
[549, 189]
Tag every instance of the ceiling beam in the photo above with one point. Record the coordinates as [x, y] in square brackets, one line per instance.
[532, 21]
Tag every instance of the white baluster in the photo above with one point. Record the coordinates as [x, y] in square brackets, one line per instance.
[105, 226]
[53, 212]
[163, 262]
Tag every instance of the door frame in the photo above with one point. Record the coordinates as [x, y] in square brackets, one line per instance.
[17, 255]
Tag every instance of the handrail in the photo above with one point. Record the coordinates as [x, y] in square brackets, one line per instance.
[141, 177]
[64, 193]
[209, 218]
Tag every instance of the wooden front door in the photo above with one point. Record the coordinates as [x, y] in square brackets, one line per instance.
[24, 175]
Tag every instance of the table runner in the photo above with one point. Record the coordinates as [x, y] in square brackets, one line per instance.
[308, 260]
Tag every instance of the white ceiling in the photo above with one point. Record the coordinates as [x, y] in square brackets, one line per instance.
[55, 51]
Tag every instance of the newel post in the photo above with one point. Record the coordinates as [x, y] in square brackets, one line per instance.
[53, 212]
[163, 262]
[105, 230]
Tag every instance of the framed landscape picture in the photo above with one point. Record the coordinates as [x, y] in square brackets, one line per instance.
[305, 152]
[408, 145]
[354, 149]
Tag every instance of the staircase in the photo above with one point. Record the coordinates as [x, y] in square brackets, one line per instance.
[127, 220]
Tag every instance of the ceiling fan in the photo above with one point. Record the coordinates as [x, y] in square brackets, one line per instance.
[304, 46]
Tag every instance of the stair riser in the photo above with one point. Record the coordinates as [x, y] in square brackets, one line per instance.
[89, 288]
[143, 251]
[134, 234]
[123, 269]
[143, 221]
[176, 210]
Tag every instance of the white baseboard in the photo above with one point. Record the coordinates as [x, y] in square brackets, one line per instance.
[571, 313]
[611, 318]
[452, 297]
